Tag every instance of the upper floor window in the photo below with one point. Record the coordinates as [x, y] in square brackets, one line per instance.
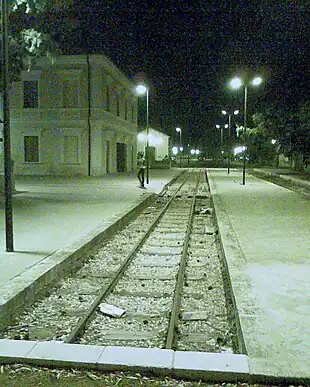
[132, 114]
[126, 109]
[70, 94]
[108, 103]
[117, 103]
[31, 94]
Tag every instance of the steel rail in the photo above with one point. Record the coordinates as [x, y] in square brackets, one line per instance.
[76, 332]
[175, 311]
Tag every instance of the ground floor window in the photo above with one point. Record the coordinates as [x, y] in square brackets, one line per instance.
[71, 149]
[31, 149]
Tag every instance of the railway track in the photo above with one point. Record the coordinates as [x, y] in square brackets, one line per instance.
[162, 275]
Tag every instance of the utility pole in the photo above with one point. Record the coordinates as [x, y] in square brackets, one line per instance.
[6, 130]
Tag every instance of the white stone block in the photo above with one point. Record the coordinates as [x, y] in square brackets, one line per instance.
[213, 366]
[54, 352]
[136, 358]
[10, 349]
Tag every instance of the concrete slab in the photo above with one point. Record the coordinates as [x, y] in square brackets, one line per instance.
[13, 350]
[59, 354]
[211, 366]
[138, 358]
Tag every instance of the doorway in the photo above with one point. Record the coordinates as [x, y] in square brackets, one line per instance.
[121, 156]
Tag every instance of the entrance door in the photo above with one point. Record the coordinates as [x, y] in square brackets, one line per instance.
[121, 157]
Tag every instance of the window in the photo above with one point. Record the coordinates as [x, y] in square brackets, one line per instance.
[70, 95]
[126, 109]
[132, 114]
[71, 149]
[117, 103]
[108, 98]
[31, 149]
[31, 94]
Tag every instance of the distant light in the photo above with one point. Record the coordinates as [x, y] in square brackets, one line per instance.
[243, 148]
[239, 149]
[273, 141]
[193, 151]
[217, 126]
[197, 151]
[257, 81]
[224, 112]
[175, 150]
[181, 149]
[236, 112]
[178, 130]
[222, 152]
[141, 89]
[235, 83]
[226, 126]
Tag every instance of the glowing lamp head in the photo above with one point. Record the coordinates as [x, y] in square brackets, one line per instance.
[236, 112]
[224, 112]
[235, 83]
[226, 126]
[257, 81]
[178, 129]
[141, 89]
[217, 126]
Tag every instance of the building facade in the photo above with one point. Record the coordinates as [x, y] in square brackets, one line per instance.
[158, 144]
[76, 116]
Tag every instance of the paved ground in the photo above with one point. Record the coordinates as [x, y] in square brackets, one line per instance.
[50, 213]
[266, 232]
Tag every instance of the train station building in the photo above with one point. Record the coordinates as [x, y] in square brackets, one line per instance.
[74, 116]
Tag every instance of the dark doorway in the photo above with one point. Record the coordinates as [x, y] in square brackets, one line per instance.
[121, 157]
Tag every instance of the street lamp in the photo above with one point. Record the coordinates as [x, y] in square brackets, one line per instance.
[224, 112]
[180, 132]
[236, 83]
[141, 90]
[222, 128]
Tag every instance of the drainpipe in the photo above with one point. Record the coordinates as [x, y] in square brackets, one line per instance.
[89, 113]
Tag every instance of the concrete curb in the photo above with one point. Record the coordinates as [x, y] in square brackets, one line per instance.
[24, 289]
[163, 362]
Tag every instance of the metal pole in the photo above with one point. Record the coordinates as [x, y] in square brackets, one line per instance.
[229, 143]
[245, 139]
[6, 132]
[180, 148]
[147, 136]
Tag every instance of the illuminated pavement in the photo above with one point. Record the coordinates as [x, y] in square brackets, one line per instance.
[265, 230]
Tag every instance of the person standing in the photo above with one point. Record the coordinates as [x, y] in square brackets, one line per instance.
[141, 169]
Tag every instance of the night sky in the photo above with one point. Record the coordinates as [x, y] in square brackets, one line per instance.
[189, 50]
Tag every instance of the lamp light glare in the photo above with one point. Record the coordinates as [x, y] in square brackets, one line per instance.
[175, 150]
[224, 112]
[235, 83]
[273, 141]
[236, 112]
[226, 126]
[193, 151]
[217, 126]
[197, 151]
[257, 81]
[181, 149]
[141, 89]
[178, 129]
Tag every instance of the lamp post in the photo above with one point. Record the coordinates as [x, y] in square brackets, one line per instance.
[6, 130]
[222, 129]
[141, 90]
[236, 83]
[180, 132]
[229, 135]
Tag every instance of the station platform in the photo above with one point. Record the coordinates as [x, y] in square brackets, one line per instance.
[265, 232]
